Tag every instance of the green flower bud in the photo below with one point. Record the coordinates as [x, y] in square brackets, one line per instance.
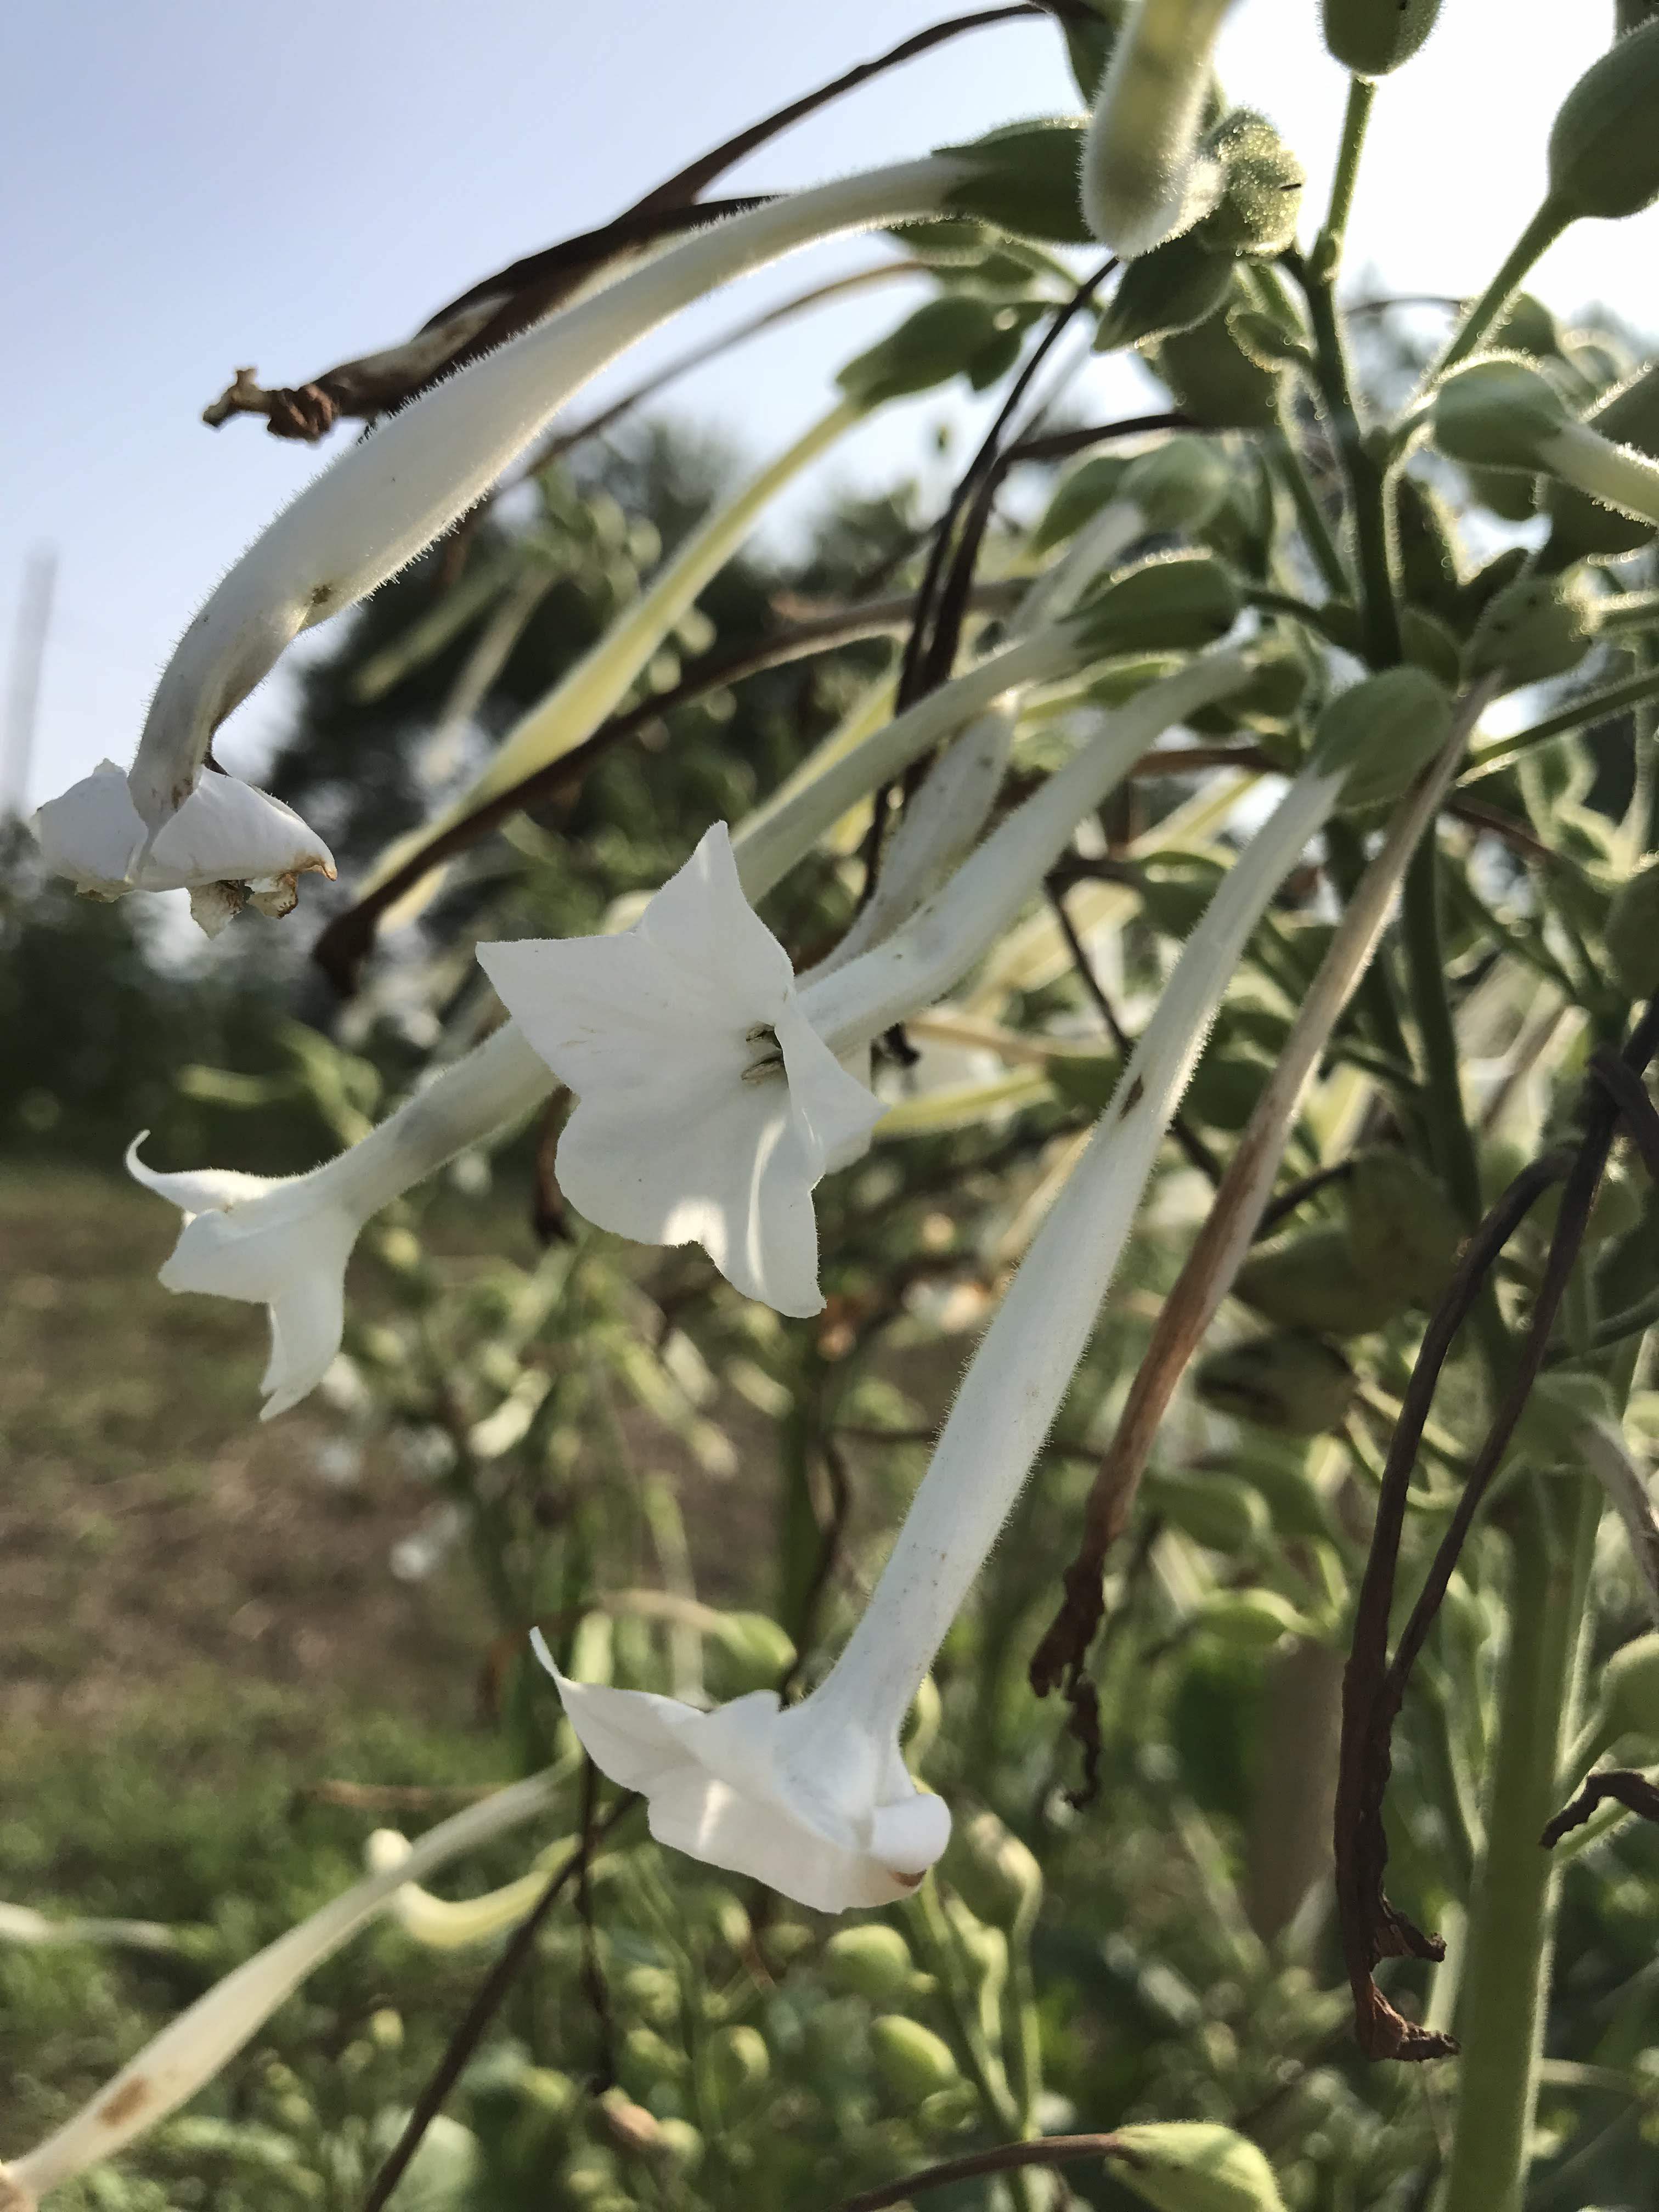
[954, 335]
[995, 1875]
[739, 2066]
[948, 2112]
[1632, 936]
[912, 2061]
[645, 2060]
[1216, 1510]
[1174, 603]
[1506, 492]
[1195, 2166]
[1266, 702]
[1533, 629]
[1629, 1703]
[1527, 326]
[1288, 1382]
[652, 1992]
[1078, 498]
[1371, 37]
[1264, 339]
[1261, 193]
[1250, 1619]
[747, 1651]
[1179, 485]
[870, 1961]
[1313, 1282]
[1488, 581]
[679, 2145]
[1214, 382]
[1174, 287]
[1024, 180]
[1400, 1226]
[1383, 732]
[1581, 527]
[1498, 413]
[1279, 1473]
[553, 2096]
[1604, 149]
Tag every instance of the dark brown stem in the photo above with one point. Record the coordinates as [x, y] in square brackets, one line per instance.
[1047, 2150]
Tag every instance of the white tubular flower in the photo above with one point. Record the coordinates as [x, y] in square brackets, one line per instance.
[709, 1108]
[713, 1096]
[815, 1800]
[225, 842]
[173, 2065]
[1143, 181]
[387, 497]
[283, 1242]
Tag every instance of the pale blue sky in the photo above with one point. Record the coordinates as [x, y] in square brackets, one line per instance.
[193, 184]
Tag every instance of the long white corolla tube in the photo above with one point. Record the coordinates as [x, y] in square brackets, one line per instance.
[190, 2050]
[384, 500]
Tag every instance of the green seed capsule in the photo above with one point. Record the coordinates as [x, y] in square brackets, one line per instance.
[1179, 485]
[1216, 1510]
[1498, 413]
[739, 2066]
[1533, 629]
[996, 1876]
[945, 337]
[1169, 289]
[912, 2061]
[1024, 179]
[1214, 382]
[1581, 527]
[1371, 37]
[1250, 1619]
[1632, 936]
[1256, 215]
[1603, 148]
[1400, 1226]
[872, 1960]
[1290, 1382]
[1383, 732]
[1630, 1690]
[1313, 1282]
[1172, 604]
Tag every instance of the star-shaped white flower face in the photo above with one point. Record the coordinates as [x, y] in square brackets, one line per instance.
[807, 1799]
[278, 1243]
[708, 1106]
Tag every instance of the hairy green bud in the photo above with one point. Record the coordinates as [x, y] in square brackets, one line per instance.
[1196, 2166]
[871, 1960]
[1214, 382]
[1402, 1227]
[1581, 528]
[1313, 1281]
[1632, 936]
[1527, 326]
[995, 1875]
[1288, 1382]
[952, 335]
[1173, 603]
[1630, 1692]
[1255, 216]
[1077, 499]
[1024, 180]
[1506, 492]
[912, 2061]
[1371, 37]
[1603, 148]
[1380, 733]
[1217, 1511]
[1427, 540]
[1498, 413]
[1172, 289]
[1533, 629]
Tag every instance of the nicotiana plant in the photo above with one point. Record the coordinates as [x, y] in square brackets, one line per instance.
[1101, 877]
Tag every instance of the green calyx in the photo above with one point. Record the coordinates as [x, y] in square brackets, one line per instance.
[1024, 179]
[1535, 629]
[1174, 604]
[1380, 734]
[954, 335]
[1581, 528]
[1498, 412]
[1371, 37]
[1255, 216]
[1214, 380]
[1179, 485]
[1603, 148]
[1174, 287]
[1078, 498]
[1290, 1382]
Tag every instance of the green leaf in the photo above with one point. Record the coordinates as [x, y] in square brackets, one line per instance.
[1192, 2166]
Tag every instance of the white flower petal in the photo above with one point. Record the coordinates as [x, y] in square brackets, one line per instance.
[611, 1013]
[720, 1165]
[93, 833]
[197, 1190]
[700, 921]
[720, 1787]
[834, 1112]
[227, 832]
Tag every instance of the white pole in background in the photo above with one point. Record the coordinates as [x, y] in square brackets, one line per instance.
[23, 699]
